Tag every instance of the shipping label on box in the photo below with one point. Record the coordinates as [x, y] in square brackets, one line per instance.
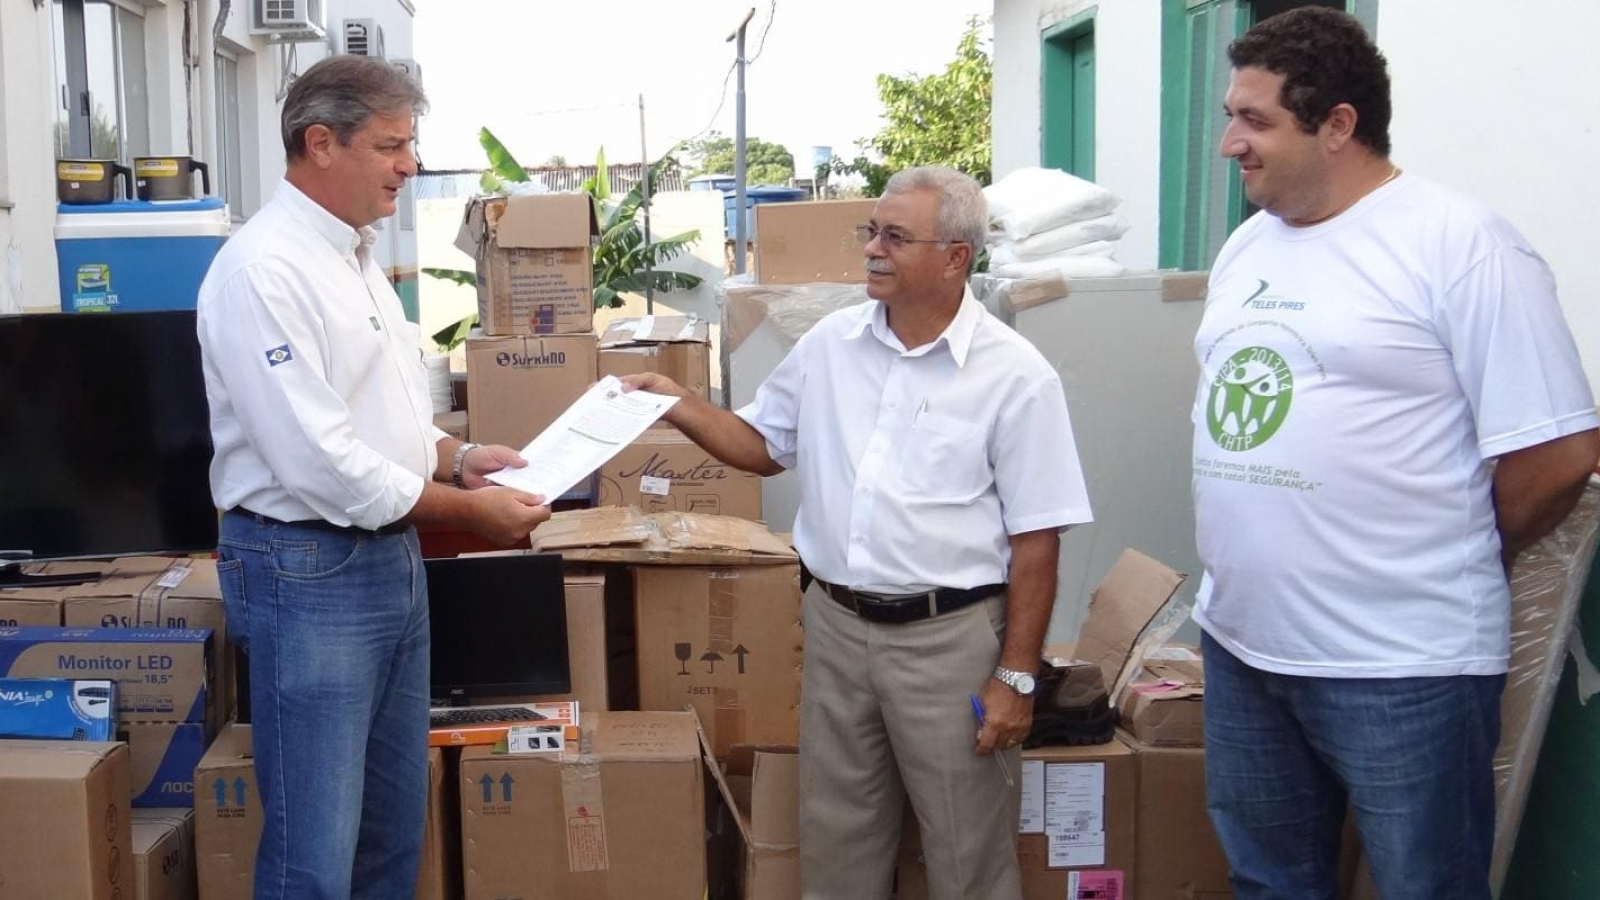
[162, 675]
[518, 386]
[65, 821]
[164, 757]
[727, 641]
[163, 854]
[663, 470]
[533, 254]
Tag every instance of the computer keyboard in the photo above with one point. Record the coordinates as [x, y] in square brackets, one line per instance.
[480, 715]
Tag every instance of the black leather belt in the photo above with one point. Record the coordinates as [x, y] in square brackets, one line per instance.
[393, 528]
[898, 609]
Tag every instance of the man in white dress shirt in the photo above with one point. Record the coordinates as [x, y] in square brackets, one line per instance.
[937, 468]
[325, 457]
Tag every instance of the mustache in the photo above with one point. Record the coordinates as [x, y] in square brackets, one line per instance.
[880, 266]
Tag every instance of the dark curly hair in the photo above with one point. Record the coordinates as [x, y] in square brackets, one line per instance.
[1325, 58]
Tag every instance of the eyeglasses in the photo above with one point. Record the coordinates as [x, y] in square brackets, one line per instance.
[893, 238]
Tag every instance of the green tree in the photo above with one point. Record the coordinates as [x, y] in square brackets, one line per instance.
[932, 120]
[764, 163]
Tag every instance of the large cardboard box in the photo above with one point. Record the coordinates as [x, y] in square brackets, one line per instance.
[760, 792]
[162, 674]
[533, 253]
[662, 470]
[163, 855]
[624, 534]
[519, 385]
[24, 605]
[678, 347]
[1179, 857]
[19, 608]
[624, 816]
[440, 875]
[727, 641]
[227, 816]
[800, 243]
[163, 757]
[65, 825]
[1164, 705]
[160, 592]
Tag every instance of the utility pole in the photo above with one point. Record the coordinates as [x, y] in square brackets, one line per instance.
[739, 213]
[649, 276]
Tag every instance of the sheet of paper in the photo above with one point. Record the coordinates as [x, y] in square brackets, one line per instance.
[1032, 797]
[1074, 813]
[595, 428]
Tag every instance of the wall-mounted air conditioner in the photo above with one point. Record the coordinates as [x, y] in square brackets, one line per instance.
[361, 37]
[289, 21]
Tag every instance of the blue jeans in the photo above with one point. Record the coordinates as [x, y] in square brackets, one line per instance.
[335, 626]
[1412, 758]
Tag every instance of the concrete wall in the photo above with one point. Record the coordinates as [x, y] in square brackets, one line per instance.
[1489, 98]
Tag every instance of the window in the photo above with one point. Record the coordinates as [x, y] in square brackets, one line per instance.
[1067, 96]
[1202, 200]
[104, 102]
[230, 166]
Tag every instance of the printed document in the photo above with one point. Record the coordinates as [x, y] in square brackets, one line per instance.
[594, 429]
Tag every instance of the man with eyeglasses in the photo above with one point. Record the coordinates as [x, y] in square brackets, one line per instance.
[937, 469]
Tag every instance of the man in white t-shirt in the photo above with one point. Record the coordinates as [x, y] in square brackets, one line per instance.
[937, 468]
[1390, 407]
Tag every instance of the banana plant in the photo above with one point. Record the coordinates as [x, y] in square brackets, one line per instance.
[623, 260]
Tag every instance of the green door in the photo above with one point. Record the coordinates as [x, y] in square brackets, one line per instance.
[1067, 97]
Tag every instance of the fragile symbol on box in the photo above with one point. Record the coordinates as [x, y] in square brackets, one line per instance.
[684, 651]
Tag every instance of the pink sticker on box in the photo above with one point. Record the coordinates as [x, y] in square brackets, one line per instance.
[1095, 884]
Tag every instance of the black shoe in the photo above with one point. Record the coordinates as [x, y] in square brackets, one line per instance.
[1072, 708]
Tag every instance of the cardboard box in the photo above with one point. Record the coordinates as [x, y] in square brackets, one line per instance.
[163, 759]
[64, 709]
[65, 825]
[662, 470]
[519, 385]
[1078, 829]
[163, 855]
[18, 609]
[623, 534]
[1179, 857]
[453, 423]
[727, 641]
[623, 818]
[440, 875]
[24, 606]
[162, 675]
[227, 815]
[760, 794]
[161, 592]
[1164, 705]
[678, 347]
[812, 241]
[535, 270]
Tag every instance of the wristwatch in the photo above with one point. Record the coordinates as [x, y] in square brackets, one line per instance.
[457, 463]
[1021, 682]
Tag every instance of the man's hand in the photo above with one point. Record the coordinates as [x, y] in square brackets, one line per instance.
[657, 383]
[1007, 716]
[505, 515]
[486, 458]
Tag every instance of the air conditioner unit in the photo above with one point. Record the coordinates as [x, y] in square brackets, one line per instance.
[362, 37]
[289, 21]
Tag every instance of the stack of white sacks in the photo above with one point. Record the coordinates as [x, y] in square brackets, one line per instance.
[1045, 222]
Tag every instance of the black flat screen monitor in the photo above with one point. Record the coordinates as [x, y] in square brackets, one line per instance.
[107, 436]
[499, 627]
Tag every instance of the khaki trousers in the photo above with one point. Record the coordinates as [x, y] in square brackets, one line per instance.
[886, 713]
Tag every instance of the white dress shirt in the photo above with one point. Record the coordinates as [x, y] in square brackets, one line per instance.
[916, 465]
[319, 400]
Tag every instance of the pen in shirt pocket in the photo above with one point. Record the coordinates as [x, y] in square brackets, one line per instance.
[1005, 770]
[921, 408]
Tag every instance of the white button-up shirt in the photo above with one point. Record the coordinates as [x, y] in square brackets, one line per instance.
[916, 465]
[319, 400]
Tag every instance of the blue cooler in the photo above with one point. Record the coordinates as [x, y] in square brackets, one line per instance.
[135, 254]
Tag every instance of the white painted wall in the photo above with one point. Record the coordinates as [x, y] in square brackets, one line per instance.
[1491, 99]
[27, 160]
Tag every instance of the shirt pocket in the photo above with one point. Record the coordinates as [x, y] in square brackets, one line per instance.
[945, 458]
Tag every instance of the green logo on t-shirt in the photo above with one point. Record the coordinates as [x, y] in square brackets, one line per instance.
[1249, 399]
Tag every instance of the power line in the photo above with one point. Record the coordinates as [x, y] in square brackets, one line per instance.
[761, 43]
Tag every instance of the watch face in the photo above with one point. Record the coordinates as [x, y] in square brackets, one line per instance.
[1025, 683]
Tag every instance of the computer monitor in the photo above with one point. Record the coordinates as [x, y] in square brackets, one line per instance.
[107, 438]
[499, 627]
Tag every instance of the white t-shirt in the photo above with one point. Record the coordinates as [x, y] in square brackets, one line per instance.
[319, 400]
[1356, 379]
[915, 465]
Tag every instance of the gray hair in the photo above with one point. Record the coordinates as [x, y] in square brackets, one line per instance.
[343, 93]
[963, 214]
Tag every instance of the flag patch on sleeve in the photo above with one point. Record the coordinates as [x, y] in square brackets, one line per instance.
[279, 355]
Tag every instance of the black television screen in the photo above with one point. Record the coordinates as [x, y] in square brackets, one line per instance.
[499, 626]
[107, 436]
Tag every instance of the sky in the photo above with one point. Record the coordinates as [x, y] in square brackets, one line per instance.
[551, 77]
